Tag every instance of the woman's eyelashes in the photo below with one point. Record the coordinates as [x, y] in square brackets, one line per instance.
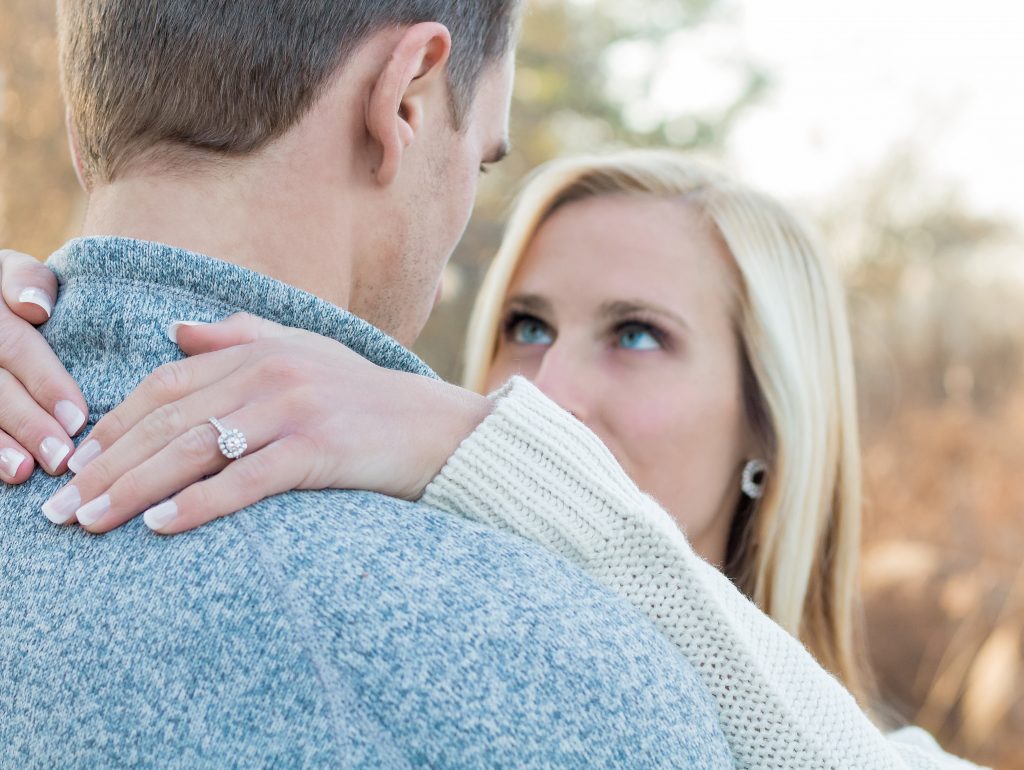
[639, 336]
[525, 329]
[630, 335]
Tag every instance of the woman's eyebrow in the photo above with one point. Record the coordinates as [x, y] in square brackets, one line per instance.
[532, 302]
[618, 309]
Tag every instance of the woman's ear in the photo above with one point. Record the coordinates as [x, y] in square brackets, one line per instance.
[405, 90]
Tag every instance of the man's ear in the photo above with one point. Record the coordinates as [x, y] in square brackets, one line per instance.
[402, 92]
[76, 157]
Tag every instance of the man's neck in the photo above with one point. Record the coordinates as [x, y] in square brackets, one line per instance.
[244, 214]
[119, 296]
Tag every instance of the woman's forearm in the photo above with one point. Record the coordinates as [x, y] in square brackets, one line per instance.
[531, 469]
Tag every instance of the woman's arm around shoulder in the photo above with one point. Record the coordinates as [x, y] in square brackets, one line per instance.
[532, 469]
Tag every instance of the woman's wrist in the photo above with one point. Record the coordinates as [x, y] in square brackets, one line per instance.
[450, 415]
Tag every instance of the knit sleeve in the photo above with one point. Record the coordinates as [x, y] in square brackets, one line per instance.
[532, 469]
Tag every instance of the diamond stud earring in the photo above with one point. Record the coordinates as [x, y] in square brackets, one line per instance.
[754, 477]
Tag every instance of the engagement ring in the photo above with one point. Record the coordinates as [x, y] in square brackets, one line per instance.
[232, 442]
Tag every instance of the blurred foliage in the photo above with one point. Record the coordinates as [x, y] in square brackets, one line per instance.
[38, 192]
[935, 295]
[921, 264]
[943, 576]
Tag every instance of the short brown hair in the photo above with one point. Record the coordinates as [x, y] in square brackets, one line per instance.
[229, 76]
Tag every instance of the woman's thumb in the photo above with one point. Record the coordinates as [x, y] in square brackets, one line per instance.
[29, 287]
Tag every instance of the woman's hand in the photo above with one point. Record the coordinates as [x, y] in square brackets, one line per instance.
[315, 415]
[41, 407]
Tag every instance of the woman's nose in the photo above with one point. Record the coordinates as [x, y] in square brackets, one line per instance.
[562, 378]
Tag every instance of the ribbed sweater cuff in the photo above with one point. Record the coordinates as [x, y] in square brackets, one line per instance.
[528, 460]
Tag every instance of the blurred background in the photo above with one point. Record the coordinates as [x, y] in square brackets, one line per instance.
[896, 126]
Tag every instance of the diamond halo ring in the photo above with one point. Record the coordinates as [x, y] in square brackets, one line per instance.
[231, 442]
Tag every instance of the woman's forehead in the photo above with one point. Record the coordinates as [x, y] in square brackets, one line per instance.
[624, 249]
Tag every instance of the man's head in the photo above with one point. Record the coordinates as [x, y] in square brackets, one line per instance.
[229, 77]
[394, 98]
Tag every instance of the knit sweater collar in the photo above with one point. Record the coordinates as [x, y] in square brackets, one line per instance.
[117, 295]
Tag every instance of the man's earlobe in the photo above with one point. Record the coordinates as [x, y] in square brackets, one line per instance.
[76, 157]
[397, 103]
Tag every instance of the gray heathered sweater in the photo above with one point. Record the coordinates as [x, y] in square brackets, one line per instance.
[315, 629]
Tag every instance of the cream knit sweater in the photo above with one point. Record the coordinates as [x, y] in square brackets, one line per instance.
[532, 469]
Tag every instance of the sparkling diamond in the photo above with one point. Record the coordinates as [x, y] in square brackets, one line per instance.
[232, 444]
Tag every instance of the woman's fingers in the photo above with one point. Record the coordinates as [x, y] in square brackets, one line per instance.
[191, 457]
[155, 403]
[185, 419]
[33, 430]
[41, 406]
[26, 356]
[217, 351]
[238, 329]
[277, 468]
[15, 462]
[159, 440]
[29, 287]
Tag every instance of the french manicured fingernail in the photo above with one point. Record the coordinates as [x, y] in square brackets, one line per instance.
[37, 297]
[93, 511]
[10, 461]
[172, 330]
[69, 416]
[62, 506]
[159, 516]
[84, 455]
[53, 450]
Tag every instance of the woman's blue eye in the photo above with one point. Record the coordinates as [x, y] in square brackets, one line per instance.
[634, 337]
[530, 331]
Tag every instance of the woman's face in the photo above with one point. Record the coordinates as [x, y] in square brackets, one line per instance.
[621, 312]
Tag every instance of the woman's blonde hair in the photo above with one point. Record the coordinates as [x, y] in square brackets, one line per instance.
[795, 552]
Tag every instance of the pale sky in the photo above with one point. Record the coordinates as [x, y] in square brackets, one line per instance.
[852, 82]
